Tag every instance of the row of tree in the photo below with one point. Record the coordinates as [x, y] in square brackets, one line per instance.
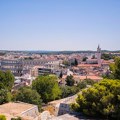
[46, 88]
[43, 89]
[107, 56]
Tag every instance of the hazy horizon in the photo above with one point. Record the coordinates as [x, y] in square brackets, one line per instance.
[57, 50]
[59, 25]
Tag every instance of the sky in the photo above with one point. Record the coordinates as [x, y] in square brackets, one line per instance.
[59, 24]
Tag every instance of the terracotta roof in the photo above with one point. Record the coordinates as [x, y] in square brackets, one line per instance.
[88, 65]
[89, 77]
[93, 77]
[106, 62]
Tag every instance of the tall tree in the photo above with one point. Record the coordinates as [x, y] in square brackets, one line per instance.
[5, 96]
[115, 68]
[47, 87]
[76, 62]
[84, 59]
[61, 75]
[7, 79]
[6, 83]
[2, 77]
[69, 80]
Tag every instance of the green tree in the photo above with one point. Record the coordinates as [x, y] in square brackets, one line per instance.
[68, 91]
[2, 86]
[61, 75]
[83, 84]
[66, 63]
[69, 80]
[47, 87]
[2, 77]
[5, 96]
[6, 84]
[115, 68]
[84, 59]
[16, 118]
[107, 56]
[7, 79]
[76, 62]
[2, 117]
[103, 100]
[27, 95]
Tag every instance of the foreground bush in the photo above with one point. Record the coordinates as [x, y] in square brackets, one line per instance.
[2, 117]
[103, 100]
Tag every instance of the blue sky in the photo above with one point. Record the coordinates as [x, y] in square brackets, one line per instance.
[59, 24]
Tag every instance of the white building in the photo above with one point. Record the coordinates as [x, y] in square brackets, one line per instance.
[96, 60]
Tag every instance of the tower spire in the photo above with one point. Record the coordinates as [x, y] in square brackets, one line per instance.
[98, 46]
[99, 55]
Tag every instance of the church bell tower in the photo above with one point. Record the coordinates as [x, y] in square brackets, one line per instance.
[99, 55]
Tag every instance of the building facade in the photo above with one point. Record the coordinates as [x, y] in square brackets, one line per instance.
[20, 66]
[15, 66]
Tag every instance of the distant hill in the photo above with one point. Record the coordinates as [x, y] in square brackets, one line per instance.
[56, 52]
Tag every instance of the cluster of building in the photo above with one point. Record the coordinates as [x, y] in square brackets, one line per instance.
[26, 66]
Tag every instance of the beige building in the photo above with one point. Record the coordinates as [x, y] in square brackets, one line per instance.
[19, 109]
